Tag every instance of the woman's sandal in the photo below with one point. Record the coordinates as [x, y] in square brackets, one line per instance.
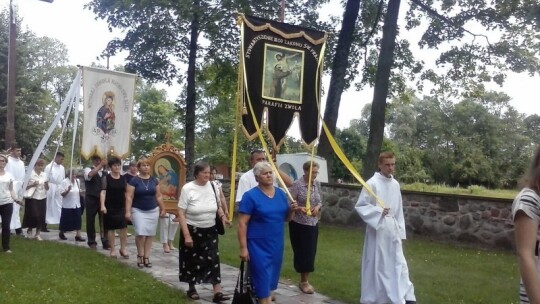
[305, 287]
[166, 249]
[147, 263]
[124, 255]
[220, 297]
[192, 294]
[140, 263]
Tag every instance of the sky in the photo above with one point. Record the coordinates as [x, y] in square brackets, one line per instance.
[86, 38]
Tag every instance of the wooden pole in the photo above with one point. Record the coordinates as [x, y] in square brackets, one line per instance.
[10, 114]
[282, 11]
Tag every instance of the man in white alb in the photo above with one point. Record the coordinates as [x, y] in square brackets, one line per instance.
[55, 175]
[385, 275]
[15, 166]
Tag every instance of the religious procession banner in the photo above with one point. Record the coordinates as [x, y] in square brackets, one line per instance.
[281, 66]
[108, 110]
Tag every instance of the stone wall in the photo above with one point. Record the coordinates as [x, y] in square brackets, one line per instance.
[466, 219]
[479, 221]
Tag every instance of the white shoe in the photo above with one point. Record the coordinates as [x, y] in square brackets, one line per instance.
[37, 237]
[8, 251]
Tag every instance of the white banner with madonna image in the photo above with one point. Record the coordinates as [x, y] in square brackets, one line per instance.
[108, 111]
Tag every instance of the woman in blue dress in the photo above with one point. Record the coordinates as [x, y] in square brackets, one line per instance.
[262, 213]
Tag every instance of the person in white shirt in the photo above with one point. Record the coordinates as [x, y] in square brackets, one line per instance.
[385, 275]
[247, 180]
[219, 190]
[55, 175]
[15, 166]
[36, 201]
[168, 226]
[70, 219]
[199, 252]
[7, 198]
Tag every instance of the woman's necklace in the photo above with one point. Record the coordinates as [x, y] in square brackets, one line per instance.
[147, 183]
[271, 194]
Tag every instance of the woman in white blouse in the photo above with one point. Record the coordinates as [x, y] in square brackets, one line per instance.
[36, 201]
[7, 198]
[199, 253]
[70, 217]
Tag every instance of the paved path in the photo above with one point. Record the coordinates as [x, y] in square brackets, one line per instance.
[165, 269]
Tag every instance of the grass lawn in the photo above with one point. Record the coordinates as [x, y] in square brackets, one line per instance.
[50, 272]
[470, 190]
[441, 273]
[59, 273]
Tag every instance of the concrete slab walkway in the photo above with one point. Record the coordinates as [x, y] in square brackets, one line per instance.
[165, 269]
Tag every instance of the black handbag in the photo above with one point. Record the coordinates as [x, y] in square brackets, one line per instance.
[219, 224]
[243, 293]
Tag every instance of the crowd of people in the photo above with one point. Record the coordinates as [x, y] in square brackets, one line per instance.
[55, 196]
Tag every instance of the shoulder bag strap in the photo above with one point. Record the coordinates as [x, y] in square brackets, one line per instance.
[240, 282]
[215, 194]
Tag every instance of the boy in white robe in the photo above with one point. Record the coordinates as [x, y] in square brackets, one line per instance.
[55, 174]
[385, 275]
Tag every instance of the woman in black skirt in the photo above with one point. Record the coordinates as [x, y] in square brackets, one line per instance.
[113, 206]
[303, 227]
[199, 252]
[70, 217]
[36, 201]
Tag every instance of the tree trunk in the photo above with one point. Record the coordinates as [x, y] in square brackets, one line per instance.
[337, 80]
[191, 98]
[382, 80]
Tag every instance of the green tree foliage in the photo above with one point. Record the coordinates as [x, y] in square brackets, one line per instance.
[477, 41]
[481, 140]
[480, 40]
[216, 114]
[154, 117]
[162, 35]
[42, 80]
[352, 141]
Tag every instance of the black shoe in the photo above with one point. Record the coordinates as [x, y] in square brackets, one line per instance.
[410, 302]
[62, 236]
[45, 230]
[105, 244]
[80, 239]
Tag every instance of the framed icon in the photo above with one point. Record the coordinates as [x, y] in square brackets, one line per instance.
[169, 167]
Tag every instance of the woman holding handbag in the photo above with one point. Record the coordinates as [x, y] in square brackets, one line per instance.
[199, 253]
[36, 201]
[263, 212]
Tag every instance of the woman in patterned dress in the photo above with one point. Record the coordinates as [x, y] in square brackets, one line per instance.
[199, 252]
